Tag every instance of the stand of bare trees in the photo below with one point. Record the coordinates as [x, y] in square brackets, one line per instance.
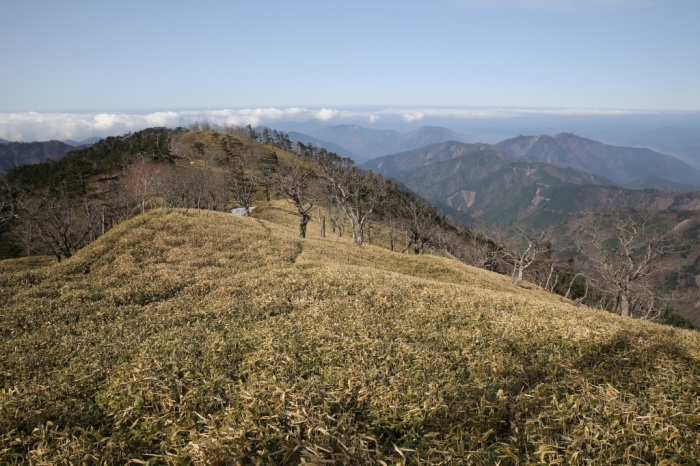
[355, 192]
[57, 224]
[623, 250]
[421, 222]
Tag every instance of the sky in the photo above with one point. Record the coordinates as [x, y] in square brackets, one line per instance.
[75, 69]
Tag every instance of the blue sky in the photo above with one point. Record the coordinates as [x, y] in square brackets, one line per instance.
[74, 57]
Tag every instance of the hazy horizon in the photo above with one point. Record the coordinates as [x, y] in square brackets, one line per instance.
[487, 69]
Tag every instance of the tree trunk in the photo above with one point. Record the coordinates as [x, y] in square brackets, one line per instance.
[624, 305]
[549, 277]
[359, 237]
[321, 223]
[568, 292]
[303, 221]
[518, 276]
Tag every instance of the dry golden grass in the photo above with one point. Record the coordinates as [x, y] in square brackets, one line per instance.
[211, 339]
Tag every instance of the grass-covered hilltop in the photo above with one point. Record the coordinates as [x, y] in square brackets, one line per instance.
[184, 336]
[345, 320]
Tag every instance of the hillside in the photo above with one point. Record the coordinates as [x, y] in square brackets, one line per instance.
[180, 336]
[14, 154]
[624, 165]
[481, 181]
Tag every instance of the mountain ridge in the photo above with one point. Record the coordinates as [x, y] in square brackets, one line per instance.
[479, 180]
[624, 165]
[14, 154]
[368, 143]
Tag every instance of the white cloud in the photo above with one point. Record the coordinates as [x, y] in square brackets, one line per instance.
[326, 114]
[413, 116]
[33, 126]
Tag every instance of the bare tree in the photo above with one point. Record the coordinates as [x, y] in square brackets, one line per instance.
[139, 181]
[519, 247]
[293, 183]
[59, 224]
[242, 180]
[421, 221]
[175, 187]
[9, 200]
[355, 192]
[478, 248]
[623, 250]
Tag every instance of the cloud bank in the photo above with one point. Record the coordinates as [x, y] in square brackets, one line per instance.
[34, 126]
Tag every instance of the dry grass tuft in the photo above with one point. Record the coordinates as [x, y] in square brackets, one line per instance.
[180, 337]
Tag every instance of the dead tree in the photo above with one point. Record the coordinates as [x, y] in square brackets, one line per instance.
[10, 198]
[356, 193]
[623, 250]
[140, 180]
[520, 248]
[61, 225]
[421, 222]
[294, 184]
[242, 182]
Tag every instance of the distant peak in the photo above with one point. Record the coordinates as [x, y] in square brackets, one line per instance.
[564, 134]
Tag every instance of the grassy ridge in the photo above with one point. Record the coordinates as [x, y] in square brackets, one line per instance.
[210, 338]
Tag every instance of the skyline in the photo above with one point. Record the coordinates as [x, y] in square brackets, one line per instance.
[33, 126]
[85, 57]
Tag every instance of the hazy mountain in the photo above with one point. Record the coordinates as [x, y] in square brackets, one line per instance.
[331, 147]
[427, 135]
[365, 142]
[480, 181]
[681, 142]
[369, 143]
[84, 142]
[14, 154]
[3, 141]
[624, 165]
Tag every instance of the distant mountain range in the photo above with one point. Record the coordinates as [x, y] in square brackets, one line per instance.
[624, 165]
[84, 142]
[683, 143]
[310, 140]
[362, 144]
[481, 181]
[632, 167]
[14, 154]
